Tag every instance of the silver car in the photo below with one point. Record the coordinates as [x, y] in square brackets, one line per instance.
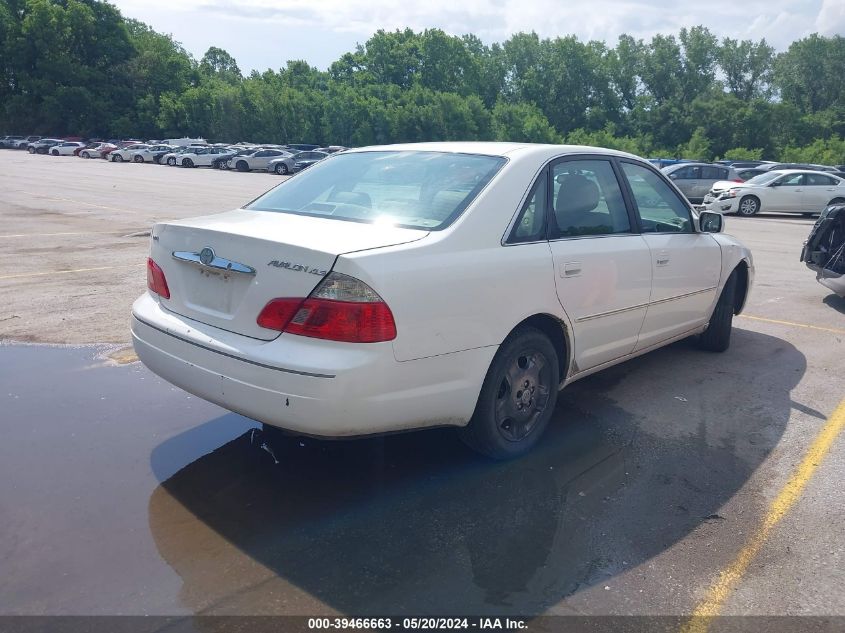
[695, 179]
[283, 165]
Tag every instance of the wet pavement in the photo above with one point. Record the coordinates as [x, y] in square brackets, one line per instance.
[124, 495]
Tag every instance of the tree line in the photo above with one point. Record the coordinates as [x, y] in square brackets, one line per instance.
[78, 67]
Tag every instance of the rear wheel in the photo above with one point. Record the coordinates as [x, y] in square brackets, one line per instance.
[138, 158]
[836, 201]
[31, 150]
[517, 398]
[717, 336]
[242, 166]
[86, 155]
[281, 169]
[749, 205]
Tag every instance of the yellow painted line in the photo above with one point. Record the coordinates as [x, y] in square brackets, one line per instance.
[728, 579]
[794, 324]
[66, 272]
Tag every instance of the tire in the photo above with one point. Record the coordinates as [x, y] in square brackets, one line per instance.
[116, 158]
[171, 161]
[242, 165]
[137, 159]
[717, 336]
[281, 169]
[31, 150]
[55, 152]
[187, 162]
[86, 155]
[508, 419]
[748, 206]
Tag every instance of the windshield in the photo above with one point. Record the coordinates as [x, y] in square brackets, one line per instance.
[762, 179]
[419, 190]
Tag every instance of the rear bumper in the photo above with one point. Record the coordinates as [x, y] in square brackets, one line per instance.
[305, 385]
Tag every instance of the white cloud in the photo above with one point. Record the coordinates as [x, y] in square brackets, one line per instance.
[330, 24]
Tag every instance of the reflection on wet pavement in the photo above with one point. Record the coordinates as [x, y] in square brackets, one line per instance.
[115, 489]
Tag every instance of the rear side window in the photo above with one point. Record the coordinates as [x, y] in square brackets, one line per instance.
[531, 223]
[820, 180]
[587, 200]
[659, 207]
[419, 190]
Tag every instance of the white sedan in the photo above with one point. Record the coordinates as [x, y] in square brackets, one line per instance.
[66, 148]
[407, 286]
[125, 153]
[203, 156]
[785, 191]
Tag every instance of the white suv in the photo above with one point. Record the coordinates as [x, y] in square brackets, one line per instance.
[399, 287]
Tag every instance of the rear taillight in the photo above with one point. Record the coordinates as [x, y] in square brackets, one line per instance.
[341, 308]
[155, 279]
[737, 180]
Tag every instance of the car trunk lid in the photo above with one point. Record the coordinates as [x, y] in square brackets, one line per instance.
[223, 269]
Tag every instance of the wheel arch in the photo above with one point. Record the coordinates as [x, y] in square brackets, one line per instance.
[742, 285]
[558, 334]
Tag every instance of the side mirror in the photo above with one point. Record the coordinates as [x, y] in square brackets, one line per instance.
[776, 183]
[709, 222]
[673, 176]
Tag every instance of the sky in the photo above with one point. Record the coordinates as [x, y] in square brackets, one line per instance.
[263, 34]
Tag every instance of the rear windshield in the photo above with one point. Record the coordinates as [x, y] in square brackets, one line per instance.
[418, 190]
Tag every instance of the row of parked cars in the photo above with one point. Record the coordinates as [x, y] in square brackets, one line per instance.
[279, 159]
[747, 188]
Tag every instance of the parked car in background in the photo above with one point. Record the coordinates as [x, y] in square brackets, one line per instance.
[304, 160]
[301, 147]
[66, 148]
[10, 142]
[286, 309]
[185, 142]
[171, 159]
[43, 146]
[221, 160]
[151, 153]
[258, 160]
[203, 156]
[283, 165]
[746, 173]
[782, 166]
[696, 179]
[824, 250]
[98, 151]
[24, 143]
[125, 153]
[331, 149]
[783, 191]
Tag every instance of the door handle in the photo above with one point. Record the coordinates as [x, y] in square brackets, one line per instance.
[570, 269]
[662, 261]
[798, 190]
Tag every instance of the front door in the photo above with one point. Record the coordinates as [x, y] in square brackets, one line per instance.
[787, 194]
[685, 265]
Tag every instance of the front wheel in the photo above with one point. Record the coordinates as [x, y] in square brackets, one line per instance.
[116, 158]
[138, 158]
[187, 163]
[55, 152]
[748, 206]
[31, 150]
[242, 166]
[517, 398]
[171, 162]
[717, 336]
[86, 155]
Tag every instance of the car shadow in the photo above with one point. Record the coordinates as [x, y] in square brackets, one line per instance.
[636, 458]
[836, 302]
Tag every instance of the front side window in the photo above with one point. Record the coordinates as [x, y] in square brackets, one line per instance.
[686, 173]
[412, 189]
[793, 180]
[659, 207]
[586, 200]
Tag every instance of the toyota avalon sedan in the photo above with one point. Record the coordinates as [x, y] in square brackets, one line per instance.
[439, 284]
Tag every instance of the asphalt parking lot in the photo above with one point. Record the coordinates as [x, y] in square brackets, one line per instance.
[659, 489]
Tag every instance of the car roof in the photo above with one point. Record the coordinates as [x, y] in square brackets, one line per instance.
[697, 164]
[494, 148]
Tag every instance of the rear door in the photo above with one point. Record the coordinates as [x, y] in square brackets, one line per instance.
[603, 267]
[685, 265]
[818, 191]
